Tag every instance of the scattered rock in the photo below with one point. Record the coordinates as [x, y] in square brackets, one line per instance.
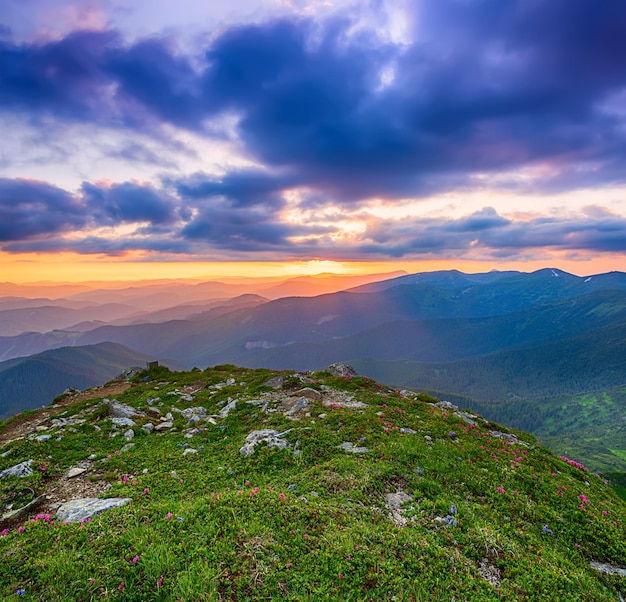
[121, 410]
[190, 450]
[84, 508]
[41, 428]
[296, 409]
[42, 438]
[310, 394]
[127, 447]
[148, 427]
[344, 403]
[490, 572]
[271, 437]
[194, 414]
[228, 407]
[123, 422]
[20, 512]
[394, 502]
[23, 469]
[129, 434]
[340, 369]
[349, 447]
[508, 437]
[276, 382]
[405, 430]
[163, 426]
[75, 471]
[609, 569]
[152, 411]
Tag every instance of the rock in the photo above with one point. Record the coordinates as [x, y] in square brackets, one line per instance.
[490, 572]
[508, 437]
[42, 438]
[23, 469]
[349, 447]
[84, 508]
[230, 381]
[341, 370]
[196, 414]
[344, 403]
[296, 409]
[71, 391]
[127, 447]
[163, 426]
[228, 407]
[41, 428]
[394, 502]
[405, 430]
[275, 383]
[121, 410]
[322, 416]
[129, 434]
[152, 411]
[75, 471]
[169, 417]
[310, 394]
[446, 405]
[148, 427]
[123, 422]
[609, 569]
[190, 450]
[20, 512]
[271, 437]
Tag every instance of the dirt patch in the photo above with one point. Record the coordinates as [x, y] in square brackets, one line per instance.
[23, 425]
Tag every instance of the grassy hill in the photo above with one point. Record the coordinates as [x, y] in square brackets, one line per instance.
[361, 493]
[30, 382]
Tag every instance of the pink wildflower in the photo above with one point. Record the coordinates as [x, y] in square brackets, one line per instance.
[160, 581]
[135, 559]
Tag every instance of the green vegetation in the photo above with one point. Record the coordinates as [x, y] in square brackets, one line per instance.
[490, 516]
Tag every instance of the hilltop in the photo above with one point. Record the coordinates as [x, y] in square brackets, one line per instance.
[245, 484]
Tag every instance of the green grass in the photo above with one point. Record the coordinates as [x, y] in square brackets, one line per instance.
[312, 525]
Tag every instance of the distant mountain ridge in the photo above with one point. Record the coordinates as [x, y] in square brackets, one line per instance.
[31, 382]
[493, 337]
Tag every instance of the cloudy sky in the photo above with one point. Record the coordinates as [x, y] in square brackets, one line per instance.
[467, 133]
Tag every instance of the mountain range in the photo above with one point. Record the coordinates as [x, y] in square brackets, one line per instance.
[502, 342]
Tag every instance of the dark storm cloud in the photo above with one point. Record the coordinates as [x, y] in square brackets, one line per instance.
[30, 208]
[486, 86]
[128, 202]
[485, 230]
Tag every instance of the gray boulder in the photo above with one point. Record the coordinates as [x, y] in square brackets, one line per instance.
[121, 410]
[23, 469]
[341, 370]
[84, 508]
[271, 437]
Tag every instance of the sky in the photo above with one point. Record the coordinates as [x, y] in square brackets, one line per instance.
[151, 138]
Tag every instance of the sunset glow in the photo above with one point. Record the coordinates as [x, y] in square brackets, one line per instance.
[146, 140]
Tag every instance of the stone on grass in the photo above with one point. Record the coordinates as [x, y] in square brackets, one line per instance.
[341, 369]
[394, 502]
[163, 426]
[275, 383]
[23, 469]
[121, 421]
[350, 447]
[148, 427]
[228, 407]
[310, 393]
[405, 430]
[195, 414]
[271, 437]
[84, 508]
[190, 450]
[129, 434]
[75, 471]
[121, 410]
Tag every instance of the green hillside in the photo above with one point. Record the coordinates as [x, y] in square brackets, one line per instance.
[30, 382]
[358, 493]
